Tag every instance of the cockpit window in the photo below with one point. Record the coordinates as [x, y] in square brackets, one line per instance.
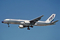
[6, 19]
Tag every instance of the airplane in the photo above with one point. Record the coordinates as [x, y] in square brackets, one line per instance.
[31, 23]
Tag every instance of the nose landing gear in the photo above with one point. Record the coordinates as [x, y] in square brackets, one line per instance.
[8, 25]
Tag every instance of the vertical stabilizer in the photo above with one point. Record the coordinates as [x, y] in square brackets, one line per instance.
[51, 18]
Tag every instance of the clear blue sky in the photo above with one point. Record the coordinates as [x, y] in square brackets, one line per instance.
[29, 9]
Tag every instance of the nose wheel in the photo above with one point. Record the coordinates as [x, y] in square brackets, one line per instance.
[8, 25]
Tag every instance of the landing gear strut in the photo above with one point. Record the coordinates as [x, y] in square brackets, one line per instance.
[8, 25]
[31, 26]
[28, 28]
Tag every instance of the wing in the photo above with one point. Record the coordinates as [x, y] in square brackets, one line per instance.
[35, 20]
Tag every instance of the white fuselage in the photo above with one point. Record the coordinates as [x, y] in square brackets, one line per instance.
[25, 22]
[31, 23]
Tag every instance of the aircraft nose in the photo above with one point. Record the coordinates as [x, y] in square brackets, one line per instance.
[2, 21]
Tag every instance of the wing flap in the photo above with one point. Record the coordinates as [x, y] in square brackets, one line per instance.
[35, 20]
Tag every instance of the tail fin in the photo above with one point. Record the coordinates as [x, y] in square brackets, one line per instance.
[51, 18]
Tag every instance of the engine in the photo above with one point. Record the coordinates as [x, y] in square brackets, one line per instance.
[21, 26]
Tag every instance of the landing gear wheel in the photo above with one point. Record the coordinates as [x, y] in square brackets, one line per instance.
[8, 25]
[28, 28]
[31, 26]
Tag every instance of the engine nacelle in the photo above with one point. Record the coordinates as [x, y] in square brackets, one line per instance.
[21, 26]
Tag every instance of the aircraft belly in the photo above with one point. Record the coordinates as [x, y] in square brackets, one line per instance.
[16, 22]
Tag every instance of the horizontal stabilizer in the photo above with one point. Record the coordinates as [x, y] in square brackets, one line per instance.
[55, 21]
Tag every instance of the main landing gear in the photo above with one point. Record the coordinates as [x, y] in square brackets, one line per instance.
[29, 28]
